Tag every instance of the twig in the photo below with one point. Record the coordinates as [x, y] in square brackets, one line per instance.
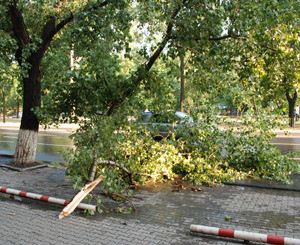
[115, 165]
[125, 198]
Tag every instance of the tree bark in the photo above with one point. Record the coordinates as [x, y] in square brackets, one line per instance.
[135, 80]
[27, 139]
[182, 83]
[4, 105]
[292, 103]
[18, 107]
[93, 169]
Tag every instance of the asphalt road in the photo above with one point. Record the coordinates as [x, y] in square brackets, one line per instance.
[52, 142]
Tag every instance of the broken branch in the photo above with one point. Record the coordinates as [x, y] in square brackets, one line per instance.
[81, 195]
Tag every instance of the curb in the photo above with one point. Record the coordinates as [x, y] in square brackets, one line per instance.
[281, 188]
[23, 169]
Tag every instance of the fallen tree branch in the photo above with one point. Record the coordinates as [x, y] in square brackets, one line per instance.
[106, 162]
[126, 199]
[93, 169]
[81, 195]
[116, 165]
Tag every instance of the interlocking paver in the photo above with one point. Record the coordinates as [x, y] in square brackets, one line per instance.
[162, 217]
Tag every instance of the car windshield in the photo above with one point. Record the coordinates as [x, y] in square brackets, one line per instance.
[166, 117]
[145, 117]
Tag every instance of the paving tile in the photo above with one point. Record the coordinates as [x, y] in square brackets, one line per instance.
[163, 217]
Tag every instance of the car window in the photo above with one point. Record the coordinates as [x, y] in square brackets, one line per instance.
[167, 117]
[145, 117]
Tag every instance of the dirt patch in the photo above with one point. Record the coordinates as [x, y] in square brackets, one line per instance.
[6, 161]
[29, 165]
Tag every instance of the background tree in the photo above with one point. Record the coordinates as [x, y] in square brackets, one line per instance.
[9, 102]
[270, 63]
[182, 82]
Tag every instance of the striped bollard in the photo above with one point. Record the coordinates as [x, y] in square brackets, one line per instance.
[244, 235]
[45, 198]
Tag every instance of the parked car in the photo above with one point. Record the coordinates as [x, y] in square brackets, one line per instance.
[163, 125]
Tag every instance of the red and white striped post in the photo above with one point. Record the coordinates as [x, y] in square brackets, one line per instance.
[45, 198]
[244, 235]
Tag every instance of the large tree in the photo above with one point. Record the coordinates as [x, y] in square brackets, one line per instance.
[33, 26]
[257, 51]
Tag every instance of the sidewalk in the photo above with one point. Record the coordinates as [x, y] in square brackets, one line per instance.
[162, 217]
[15, 124]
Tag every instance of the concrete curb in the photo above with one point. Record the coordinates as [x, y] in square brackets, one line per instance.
[23, 169]
[281, 188]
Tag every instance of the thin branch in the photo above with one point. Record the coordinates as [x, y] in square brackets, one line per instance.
[226, 37]
[213, 38]
[167, 37]
[111, 163]
[51, 29]
[138, 77]
[266, 47]
[229, 37]
[71, 17]
[125, 198]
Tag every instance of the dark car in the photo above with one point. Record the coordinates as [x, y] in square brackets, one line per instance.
[163, 125]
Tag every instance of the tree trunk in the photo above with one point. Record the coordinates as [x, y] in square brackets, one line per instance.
[27, 139]
[4, 105]
[182, 83]
[292, 102]
[18, 107]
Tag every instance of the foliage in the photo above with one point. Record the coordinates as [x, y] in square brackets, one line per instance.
[99, 33]
[270, 61]
[207, 154]
[9, 85]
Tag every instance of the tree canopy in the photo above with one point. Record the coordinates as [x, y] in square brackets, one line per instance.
[117, 45]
